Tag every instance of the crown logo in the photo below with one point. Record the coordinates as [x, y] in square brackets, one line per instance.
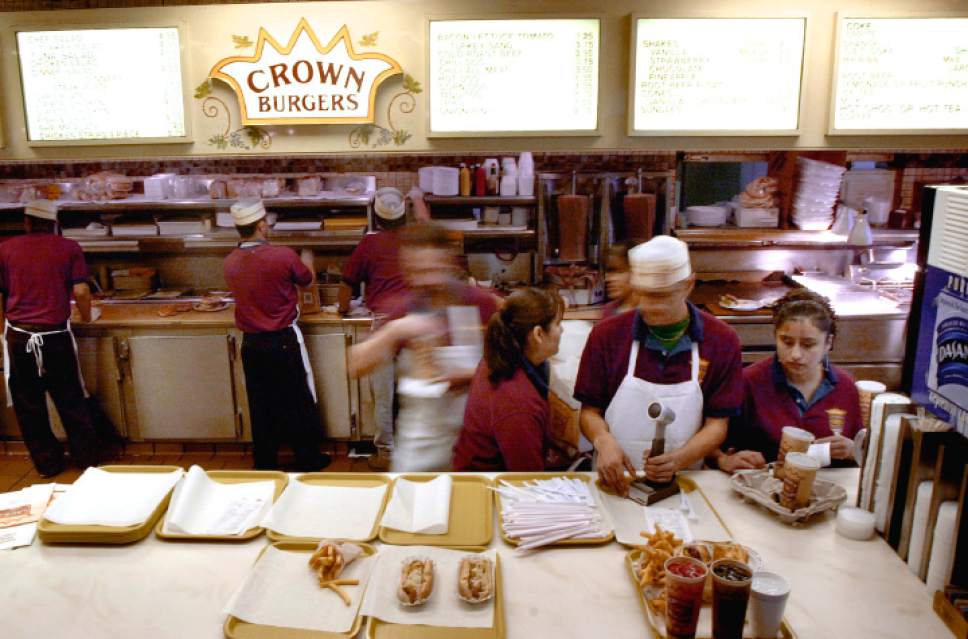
[305, 82]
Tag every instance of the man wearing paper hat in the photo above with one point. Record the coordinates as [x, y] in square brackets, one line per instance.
[375, 263]
[264, 280]
[38, 273]
[666, 351]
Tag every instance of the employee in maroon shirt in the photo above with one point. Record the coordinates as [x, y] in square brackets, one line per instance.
[621, 295]
[507, 413]
[278, 380]
[38, 273]
[420, 321]
[375, 263]
[665, 351]
[796, 387]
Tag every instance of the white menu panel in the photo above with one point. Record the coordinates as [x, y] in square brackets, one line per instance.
[513, 76]
[716, 75]
[102, 84]
[901, 75]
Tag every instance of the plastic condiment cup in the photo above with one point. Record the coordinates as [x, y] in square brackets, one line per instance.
[799, 473]
[792, 440]
[768, 596]
[684, 578]
[731, 595]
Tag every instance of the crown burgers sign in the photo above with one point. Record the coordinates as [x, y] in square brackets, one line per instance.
[305, 82]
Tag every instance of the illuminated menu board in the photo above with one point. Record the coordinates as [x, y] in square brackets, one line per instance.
[900, 75]
[716, 76]
[515, 76]
[102, 84]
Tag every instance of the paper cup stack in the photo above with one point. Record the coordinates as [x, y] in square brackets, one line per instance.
[868, 389]
[813, 205]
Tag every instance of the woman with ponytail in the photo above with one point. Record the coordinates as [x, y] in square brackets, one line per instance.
[796, 387]
[507, 415]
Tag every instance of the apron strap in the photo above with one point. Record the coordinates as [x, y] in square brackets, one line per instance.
[694, 376]
[307, 366]
[633, 357]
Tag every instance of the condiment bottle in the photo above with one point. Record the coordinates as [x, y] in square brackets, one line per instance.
[480, 181]
[465, 180]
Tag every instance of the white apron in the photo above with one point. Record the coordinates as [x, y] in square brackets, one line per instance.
[35, 346]
[634, 429]
[310, 378]
[427, 427]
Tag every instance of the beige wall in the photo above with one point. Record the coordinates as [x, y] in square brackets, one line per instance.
[401, 24]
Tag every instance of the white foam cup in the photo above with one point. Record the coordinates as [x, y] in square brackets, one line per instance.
[768, 597]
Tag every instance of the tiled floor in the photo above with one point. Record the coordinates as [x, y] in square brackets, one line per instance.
[17, 471]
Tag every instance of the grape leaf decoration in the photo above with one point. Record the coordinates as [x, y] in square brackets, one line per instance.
[410, 85]
[203, 90]
[241, 41]
[369, 39]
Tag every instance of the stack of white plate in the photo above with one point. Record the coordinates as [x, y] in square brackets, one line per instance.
[813, 205]
[706, 215]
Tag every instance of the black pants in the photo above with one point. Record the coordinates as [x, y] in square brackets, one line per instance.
[280, 403]
[60, 379]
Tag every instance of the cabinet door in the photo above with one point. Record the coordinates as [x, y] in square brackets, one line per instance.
[99, 366]
[182, 387]
[327, 356]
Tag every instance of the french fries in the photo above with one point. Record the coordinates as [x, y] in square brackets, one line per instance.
[328, 563]
[650, 570]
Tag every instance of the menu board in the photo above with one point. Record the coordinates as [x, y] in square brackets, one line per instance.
[513, 76]
[102, 84]
[716, 76]
[900, 75]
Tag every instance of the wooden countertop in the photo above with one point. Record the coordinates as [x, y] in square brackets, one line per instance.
[146, 316]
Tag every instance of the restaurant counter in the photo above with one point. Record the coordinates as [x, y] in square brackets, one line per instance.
[154, 589]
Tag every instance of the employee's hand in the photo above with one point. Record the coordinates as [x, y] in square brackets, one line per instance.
[731, 461]
[840, 447]
[612, 463]
[662, 468]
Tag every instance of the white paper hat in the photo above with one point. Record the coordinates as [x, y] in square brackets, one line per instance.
[659, 263]
[245, 212]
[388, 204]
[43, 209]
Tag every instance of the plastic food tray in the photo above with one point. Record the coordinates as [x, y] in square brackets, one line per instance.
[471, 515]
[51, 533]
[230, 477]
[235, 628]
[761, 487]
[341, 480]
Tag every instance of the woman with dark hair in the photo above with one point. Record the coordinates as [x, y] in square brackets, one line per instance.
[797, 387]
[507, 415]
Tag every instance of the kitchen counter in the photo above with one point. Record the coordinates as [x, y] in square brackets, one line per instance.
[145, 315]
[154, 589]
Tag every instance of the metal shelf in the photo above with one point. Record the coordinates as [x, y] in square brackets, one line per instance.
[217, 241]
[140, 203]
[490, 200]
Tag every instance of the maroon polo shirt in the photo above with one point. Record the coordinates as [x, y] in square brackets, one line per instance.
[263, 280]
[37, 273]
[611, 309]
[466, 295]
[375, 262]
[505, 426]
[769, 406]
[605, 362]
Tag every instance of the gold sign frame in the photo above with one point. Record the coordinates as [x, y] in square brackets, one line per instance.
[342, 35]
